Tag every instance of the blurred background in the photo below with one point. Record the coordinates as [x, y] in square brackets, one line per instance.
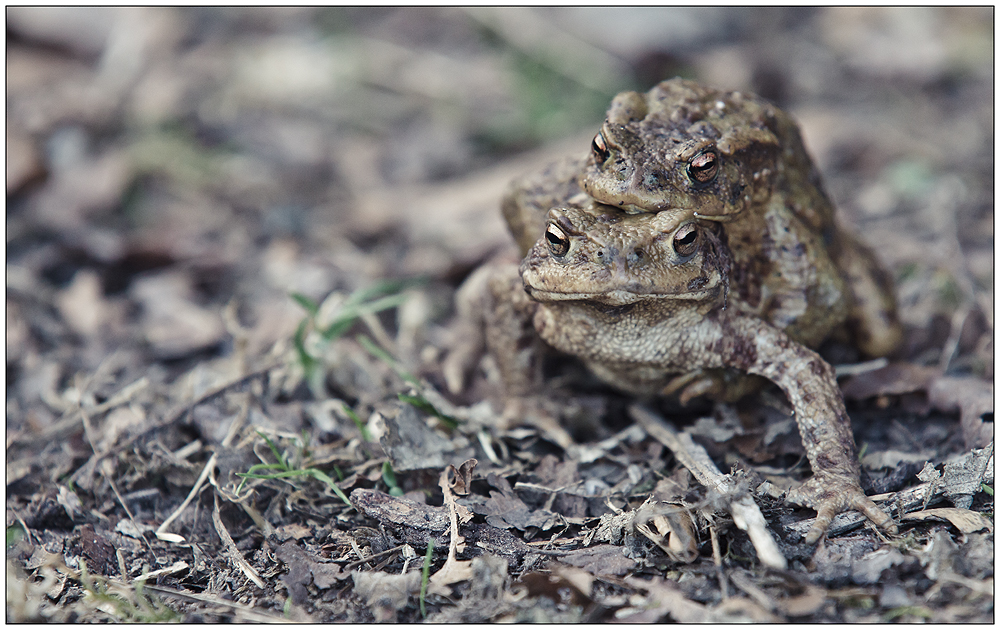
[163, 163]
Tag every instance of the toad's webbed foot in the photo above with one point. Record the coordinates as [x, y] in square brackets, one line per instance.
[830, 494]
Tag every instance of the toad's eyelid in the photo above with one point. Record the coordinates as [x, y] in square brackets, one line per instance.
[688, 153]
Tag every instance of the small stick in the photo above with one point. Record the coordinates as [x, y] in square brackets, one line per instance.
[746, 514]
[178, 414]
[231, 550]
[717, 558]
[348, 567]
[27, 531]
[161, 531]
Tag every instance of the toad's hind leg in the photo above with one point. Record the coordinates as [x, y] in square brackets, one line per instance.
[873, 321]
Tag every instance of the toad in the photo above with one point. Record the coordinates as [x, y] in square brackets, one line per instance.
[641, 298]
[694, 152]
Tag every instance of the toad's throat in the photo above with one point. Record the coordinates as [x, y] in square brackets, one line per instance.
[612, 310]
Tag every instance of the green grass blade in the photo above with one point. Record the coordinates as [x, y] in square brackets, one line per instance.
[379, 353]
[350, 312]
[365, 433]
[308, 362]
[425, 577]
[424, 405]
[322, 476]
[274, 450]
[389, 477]
[310, 307]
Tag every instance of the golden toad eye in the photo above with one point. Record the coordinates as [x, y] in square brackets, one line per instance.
[558, 243]
[686, 240]
[600, 148]
[704, 167]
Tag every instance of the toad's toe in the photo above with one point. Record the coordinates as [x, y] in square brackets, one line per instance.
[830, 495]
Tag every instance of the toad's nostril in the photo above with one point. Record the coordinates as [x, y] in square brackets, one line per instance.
[635, 258]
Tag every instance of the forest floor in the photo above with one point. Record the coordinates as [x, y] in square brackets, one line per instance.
[233, 242]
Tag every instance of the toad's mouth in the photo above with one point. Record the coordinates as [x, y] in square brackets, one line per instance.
[631, 208]
[623, 296]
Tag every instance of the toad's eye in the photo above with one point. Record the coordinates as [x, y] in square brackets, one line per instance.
[686, 240]
[704, 167]
[558, 243]
[600, 148]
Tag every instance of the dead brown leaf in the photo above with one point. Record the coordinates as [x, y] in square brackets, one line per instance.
[304, 567]
[174, 324]
[804, 604]
[601, 560]
[966, 521]
[386, 594]
[670, 526]
[558, 587]
[454, 570]
[973, 398]
[24, 161]
[891, 380]
[505, 509]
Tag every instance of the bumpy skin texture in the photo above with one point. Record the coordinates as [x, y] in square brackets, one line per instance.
[645, 158]
[643, 298]
[792, 265]
[717, 266]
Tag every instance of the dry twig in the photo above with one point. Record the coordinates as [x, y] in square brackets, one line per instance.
[231, 550]
[746, 514]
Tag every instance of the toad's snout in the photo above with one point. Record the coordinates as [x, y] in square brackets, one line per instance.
[625, 260]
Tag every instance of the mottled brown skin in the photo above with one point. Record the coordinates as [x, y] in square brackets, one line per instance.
[641, 299]
[689, 151]
[733, 166]
[652, 152]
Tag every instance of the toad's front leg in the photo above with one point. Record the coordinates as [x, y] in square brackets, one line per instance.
[810, 385]
[495, 316]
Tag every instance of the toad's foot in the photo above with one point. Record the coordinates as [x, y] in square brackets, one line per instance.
[830, 494]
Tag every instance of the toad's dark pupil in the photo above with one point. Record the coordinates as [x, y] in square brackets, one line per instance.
[686, 243]
[557, 242]
[704, 167]
[600, 148]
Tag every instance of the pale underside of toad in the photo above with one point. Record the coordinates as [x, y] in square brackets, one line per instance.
[641, 299]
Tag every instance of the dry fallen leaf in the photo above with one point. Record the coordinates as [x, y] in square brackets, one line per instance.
[809, 602]
[454, 570]
[174, 324]
[463, 477]
[670, 526]
[966, 521]
[893, 379]
[386, 594]
[82, 304]
[973, 397]
[24, 161]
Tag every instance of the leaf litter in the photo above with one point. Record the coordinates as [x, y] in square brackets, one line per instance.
[230, 287]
